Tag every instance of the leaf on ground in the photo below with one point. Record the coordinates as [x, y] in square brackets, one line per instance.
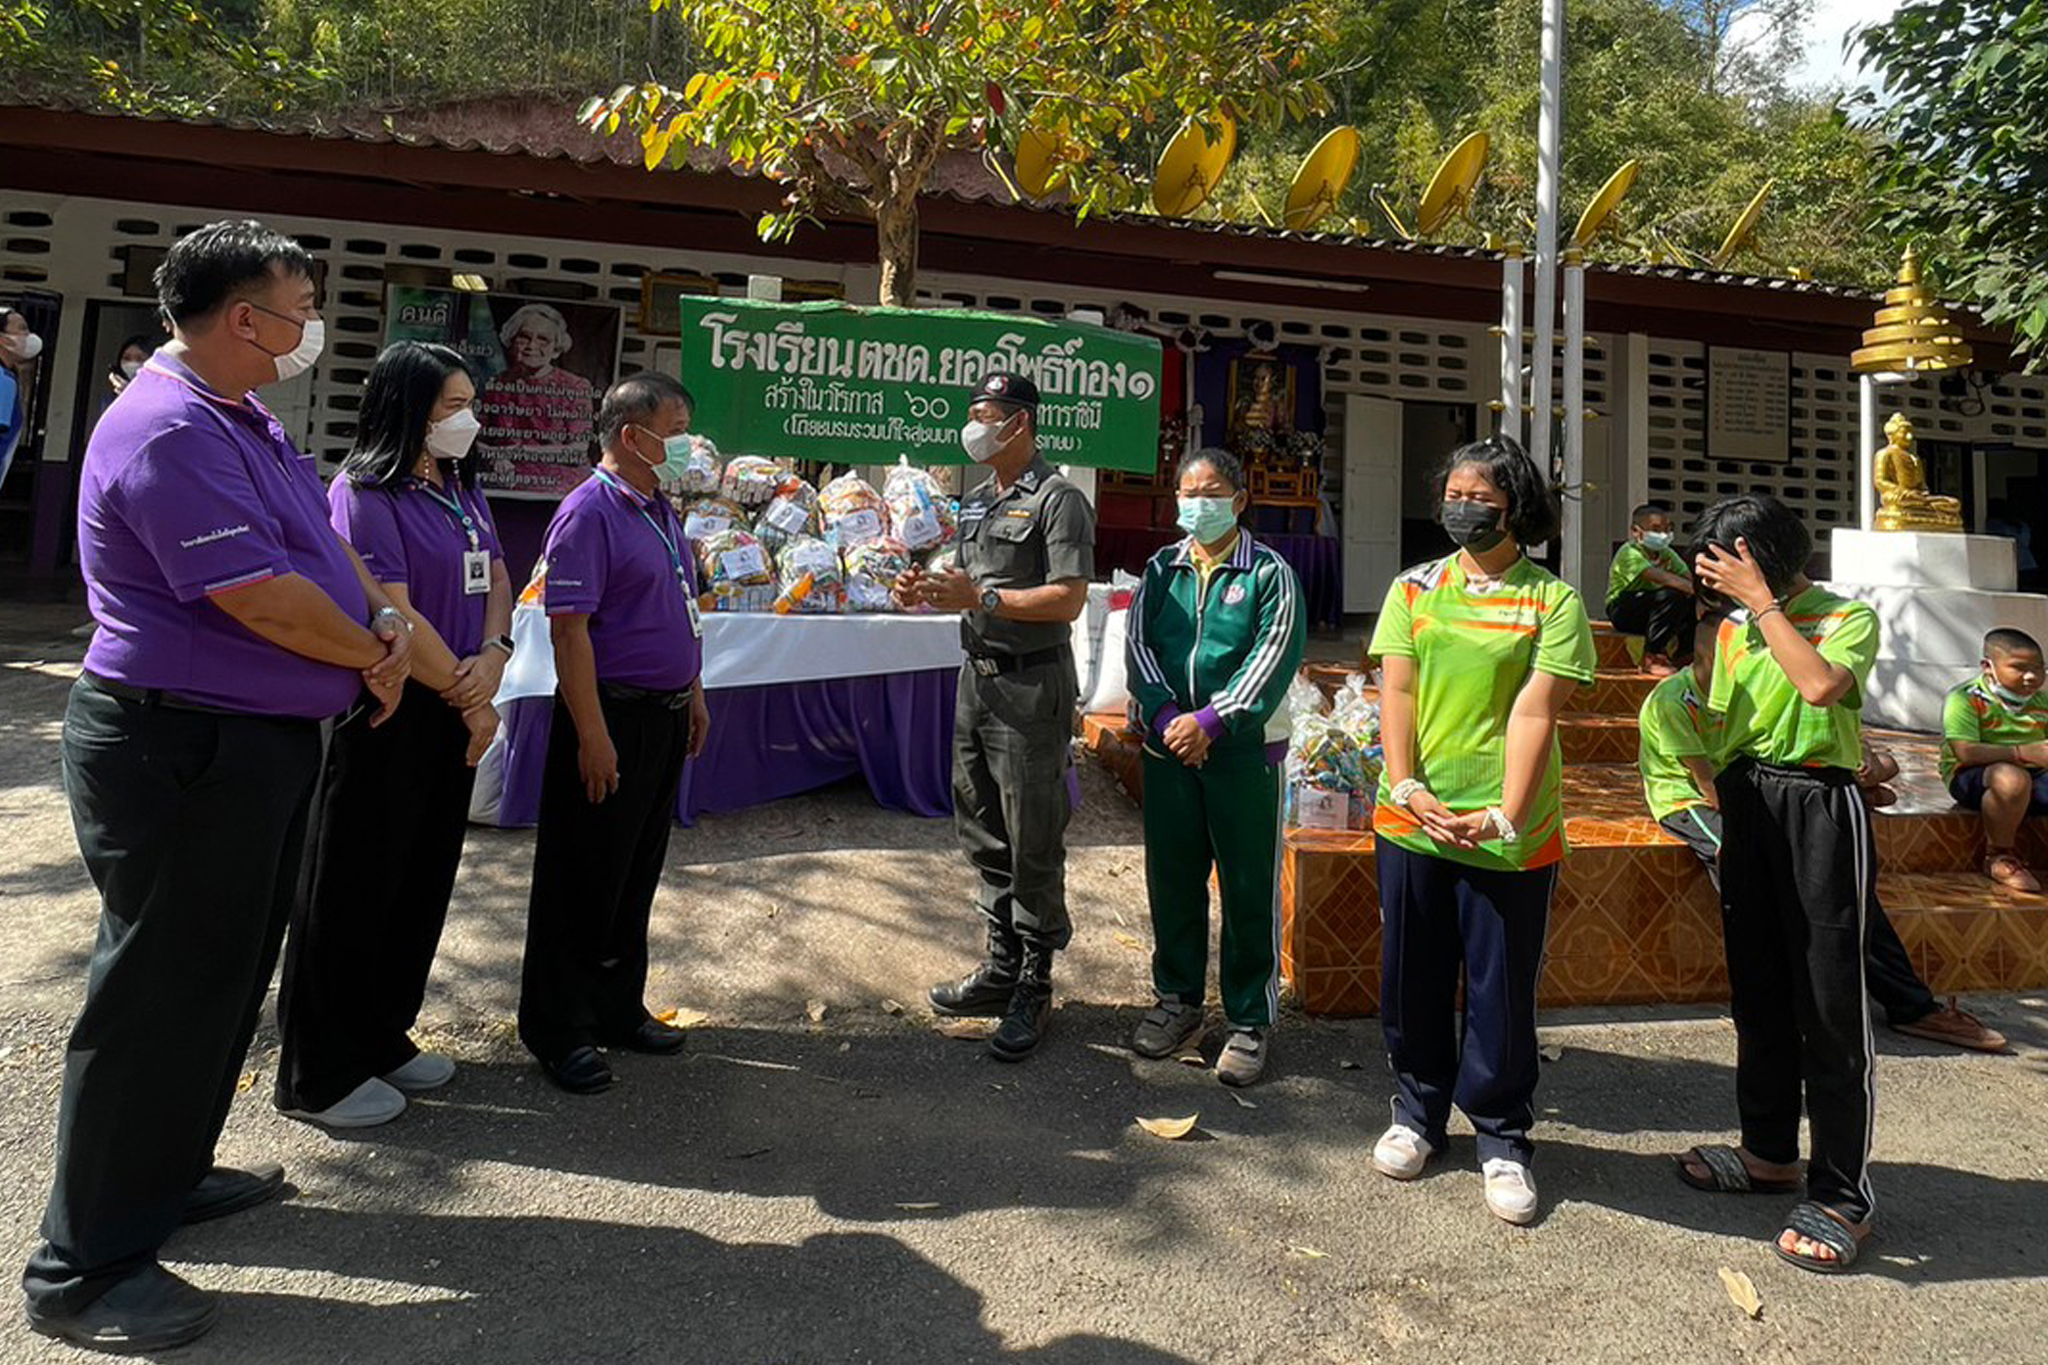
[1308, 1253]
[1191, 1059]
[1170, 1129]
[683, 1018]
[816, 1010]
[1242, 1102]
[1347, 1065]
[921, 1206]
[246, 1084]
[892, 1007]
[970, 1029]
[1742, 1292]
[1130, 941]
[1550, 1052]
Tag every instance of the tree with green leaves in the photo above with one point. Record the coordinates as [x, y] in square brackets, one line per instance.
[1964, 161]
[849, 105]
[150, 56]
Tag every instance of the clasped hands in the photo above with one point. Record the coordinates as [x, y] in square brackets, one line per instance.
[943, 590]
[1444, 825]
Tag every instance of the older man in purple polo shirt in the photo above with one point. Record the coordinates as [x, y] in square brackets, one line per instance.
[231, 622]
[629, 709]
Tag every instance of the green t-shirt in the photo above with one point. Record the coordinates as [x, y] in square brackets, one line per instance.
[1764, 716]
[1630, 563]
[1975, 714]
[1673, 725]
[1473, 652]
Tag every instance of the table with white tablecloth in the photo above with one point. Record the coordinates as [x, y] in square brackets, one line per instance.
[797, 702]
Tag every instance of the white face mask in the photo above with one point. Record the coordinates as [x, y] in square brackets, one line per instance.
[2005, 694]
[300, 358]
[982, 441]
[27, 346]
[130, 368]
[450, 438]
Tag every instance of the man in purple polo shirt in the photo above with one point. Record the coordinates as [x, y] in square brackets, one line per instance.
[629, 708]
[231, 622]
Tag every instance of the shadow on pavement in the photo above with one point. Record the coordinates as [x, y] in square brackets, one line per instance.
[562, 1289]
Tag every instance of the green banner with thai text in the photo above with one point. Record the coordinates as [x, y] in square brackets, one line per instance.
[829, 381]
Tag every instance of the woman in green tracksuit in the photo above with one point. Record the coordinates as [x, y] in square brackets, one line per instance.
[1214, 637]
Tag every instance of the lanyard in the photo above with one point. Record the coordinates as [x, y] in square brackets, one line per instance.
[455, 509]
[668, 542]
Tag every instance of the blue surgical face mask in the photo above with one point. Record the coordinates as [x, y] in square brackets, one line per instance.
[1656, 540]
[1208, 520]
[2005, 694]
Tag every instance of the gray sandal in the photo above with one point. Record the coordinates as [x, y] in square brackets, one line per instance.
[1727, 1173]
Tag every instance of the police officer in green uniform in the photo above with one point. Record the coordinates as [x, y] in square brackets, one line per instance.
[1027, 551]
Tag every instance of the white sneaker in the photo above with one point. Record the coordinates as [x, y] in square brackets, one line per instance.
[1510, 1191]
[1401, 1153]
[426, 1071]
[369, 1104]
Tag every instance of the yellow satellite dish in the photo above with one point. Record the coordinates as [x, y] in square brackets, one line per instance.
[1037, 151]
[1605, 203]
[1450, 189]
[1745, 228]
[1323, 176]
[1191, 166]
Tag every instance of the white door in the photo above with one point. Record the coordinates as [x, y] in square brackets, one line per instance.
[1372, 500]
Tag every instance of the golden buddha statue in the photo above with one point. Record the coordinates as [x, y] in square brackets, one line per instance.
[1903, 502]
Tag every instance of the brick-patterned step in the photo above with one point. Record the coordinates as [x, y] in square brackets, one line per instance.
[1639, 925]
[1612, 648]
[1107, 735]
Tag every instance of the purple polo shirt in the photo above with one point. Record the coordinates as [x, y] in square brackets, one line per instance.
[607, 561]
[405, 536]
[185, 493]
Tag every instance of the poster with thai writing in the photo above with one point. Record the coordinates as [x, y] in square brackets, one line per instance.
[540, 365]
[862, 386]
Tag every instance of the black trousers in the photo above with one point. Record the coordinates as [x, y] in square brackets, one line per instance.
[1012, 738]
[191, 825]
[1796, 879]
[387, 837]
[595, 869]
[1664, 617]
[1438, 920]
[1894, 985]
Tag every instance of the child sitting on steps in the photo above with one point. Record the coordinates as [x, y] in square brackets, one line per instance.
[1649, 591]
[1994, 749]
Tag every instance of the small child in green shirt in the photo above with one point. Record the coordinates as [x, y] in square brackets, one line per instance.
[1994, 749]
[1649, 591]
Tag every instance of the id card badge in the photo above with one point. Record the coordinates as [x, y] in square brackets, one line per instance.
[476, 572]
[696, 619]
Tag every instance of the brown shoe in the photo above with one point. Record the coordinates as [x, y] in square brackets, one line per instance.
[1957, 1028]
[2003, 866]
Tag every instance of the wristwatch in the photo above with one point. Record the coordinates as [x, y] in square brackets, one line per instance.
[503, 642]
[991, 600]
[394, 613]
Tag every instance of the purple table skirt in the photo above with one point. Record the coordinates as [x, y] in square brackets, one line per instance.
[779, 739]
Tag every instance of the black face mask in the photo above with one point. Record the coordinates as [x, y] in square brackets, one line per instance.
[1472, 525]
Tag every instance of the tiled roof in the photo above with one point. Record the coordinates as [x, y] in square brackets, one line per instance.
[543, 126]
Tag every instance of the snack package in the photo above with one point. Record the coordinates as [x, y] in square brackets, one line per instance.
[809, 575]
[730, 560]
[920, 513]
[699, 475]
[789, 514]
[939, 560]
[871, 571]
[851, 511]
[751, 480]
[706, 517]
[1334, 757]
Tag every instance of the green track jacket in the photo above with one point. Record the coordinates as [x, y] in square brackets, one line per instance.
[1227, 655]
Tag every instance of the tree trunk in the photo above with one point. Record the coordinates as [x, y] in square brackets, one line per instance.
[896, 240]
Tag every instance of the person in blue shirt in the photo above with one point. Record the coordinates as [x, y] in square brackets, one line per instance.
[19, 346]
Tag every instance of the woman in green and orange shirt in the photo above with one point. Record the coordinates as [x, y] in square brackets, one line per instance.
[1480, 651]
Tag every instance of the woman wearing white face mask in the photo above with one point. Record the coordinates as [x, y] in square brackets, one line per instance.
[1215, 636]
[389, 822]
[18, 348]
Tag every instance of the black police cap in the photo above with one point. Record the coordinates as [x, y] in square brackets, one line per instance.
[1005, 387]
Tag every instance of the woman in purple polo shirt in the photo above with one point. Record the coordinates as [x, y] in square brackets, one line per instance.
[388, 826]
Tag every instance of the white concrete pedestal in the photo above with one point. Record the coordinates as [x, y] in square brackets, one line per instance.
[1935, 594]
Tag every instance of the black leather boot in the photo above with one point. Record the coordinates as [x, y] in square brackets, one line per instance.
[1030, 1014]
[983, 993]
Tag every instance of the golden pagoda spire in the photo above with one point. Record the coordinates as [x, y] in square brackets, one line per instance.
[1911, 332]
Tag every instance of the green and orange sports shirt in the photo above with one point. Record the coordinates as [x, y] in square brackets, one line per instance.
[1763, 716]
[1473, 651]
[1975, 714]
